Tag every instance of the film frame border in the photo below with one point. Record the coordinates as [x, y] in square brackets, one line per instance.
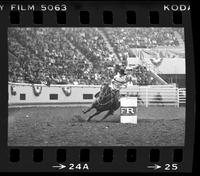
[96, 20]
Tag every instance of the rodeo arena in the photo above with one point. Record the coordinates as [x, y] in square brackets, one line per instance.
[60, 87]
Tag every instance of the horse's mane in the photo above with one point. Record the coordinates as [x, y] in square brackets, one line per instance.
[106, 98]
[105, 87]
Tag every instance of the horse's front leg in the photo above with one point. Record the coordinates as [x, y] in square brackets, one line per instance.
[87, 110]
[109, 113]
[96, 113]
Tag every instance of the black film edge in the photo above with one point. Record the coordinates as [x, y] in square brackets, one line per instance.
[66, 63]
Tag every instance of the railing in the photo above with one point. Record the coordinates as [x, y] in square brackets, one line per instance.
[182, 96]
[154, 96]
[55, 85]
[151, 68]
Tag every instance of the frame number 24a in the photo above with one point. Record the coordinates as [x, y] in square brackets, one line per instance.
[79, 166]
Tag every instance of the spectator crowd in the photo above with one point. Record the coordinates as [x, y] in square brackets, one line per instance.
[78, 55]
[122, 39]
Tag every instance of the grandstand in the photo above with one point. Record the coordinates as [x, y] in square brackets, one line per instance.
[85, 56]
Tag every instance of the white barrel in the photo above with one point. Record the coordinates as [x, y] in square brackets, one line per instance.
[128, 110]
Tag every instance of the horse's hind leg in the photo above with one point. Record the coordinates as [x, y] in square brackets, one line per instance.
[96, 113]
[109, 113]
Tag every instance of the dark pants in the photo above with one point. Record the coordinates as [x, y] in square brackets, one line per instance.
[115, 95]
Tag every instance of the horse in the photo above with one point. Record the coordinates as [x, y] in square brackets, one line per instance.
[106, 99]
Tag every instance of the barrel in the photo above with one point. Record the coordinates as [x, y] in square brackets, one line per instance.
[128, 110]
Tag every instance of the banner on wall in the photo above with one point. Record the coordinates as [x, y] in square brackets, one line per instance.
[156, 55]
[13, 90]
[37, 90]
[67, 90]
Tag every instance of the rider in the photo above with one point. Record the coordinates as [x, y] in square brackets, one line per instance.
[118, 82]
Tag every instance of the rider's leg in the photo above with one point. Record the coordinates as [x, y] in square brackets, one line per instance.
[116, 97]
[109, 113]
[96, 113]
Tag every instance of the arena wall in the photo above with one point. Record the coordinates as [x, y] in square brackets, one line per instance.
[21, 94]
[76, 94]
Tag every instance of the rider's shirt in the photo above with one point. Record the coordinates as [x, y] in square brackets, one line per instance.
[118, 82]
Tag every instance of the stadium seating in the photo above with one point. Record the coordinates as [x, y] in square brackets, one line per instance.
[78, 55]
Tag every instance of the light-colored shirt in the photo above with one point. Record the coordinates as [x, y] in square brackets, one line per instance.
[118, 82]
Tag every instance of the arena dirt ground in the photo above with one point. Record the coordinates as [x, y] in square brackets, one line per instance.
[66, 126]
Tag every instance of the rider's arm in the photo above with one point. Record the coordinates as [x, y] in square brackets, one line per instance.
[125, 82]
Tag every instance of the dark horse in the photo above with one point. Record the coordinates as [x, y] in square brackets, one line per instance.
[106, 99]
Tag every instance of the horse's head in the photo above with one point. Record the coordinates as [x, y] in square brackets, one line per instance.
[105, 89]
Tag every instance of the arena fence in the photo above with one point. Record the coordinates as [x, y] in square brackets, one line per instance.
[157, 95]
[182, 96]
[22, 94]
